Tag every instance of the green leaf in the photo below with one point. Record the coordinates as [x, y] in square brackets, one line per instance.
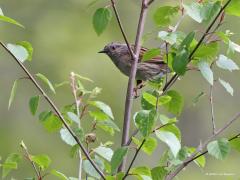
[33, 104]
[104, 152]
[151, 53]
[73, 117]
[166, 120]
[141, 172]
[50, 121]
[170, 38]
[227, 86]
[43, 161]
[67, 137]
[233, 8]
[101, 18]
[202, 11]
[103, 107]
[83, 78]
[200, 161]
[28, 47]
[144, 121]
[10, 163]
[98, 115]
[18, 51]
[206, 71]
[149, 146]
[90, 170]
[180, 62]
[174, 129]
[187, 41]
[46, 81]
[117, 158]
[232, 47]
[207, 51]
[59, 174]
[12, 94]
[163, 15]
[235, 144]
[226, 63]
[159, 173]
[108, 126]
[10, 20]
[176, 104]
[219, 148]
[171, 140]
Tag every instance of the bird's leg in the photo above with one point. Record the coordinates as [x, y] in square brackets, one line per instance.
[140, 85]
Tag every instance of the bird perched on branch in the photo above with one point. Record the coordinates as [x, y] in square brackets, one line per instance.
[146, 70]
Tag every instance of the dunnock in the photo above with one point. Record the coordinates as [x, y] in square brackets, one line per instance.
[146, 70]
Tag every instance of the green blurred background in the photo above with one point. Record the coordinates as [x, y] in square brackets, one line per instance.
[64, 40]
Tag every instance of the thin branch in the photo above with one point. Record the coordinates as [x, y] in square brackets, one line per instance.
[28, 156]
[174, 78]
[121, 28]
[54, 107]
[78, 103]
[129, 96]
[212, 110]
[201, 148]
[134, 158]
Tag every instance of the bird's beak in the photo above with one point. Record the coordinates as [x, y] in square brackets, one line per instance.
[102, 51]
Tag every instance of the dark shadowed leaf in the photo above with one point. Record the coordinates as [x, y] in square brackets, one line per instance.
[117, 158]
[180, 62]
[33, 104]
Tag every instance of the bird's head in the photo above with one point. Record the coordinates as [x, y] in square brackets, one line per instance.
[115, 50]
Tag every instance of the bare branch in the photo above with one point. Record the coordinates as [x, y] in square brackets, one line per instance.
[121, 28]
[201, 147]
[129, 96]
[212, 110]
[54, 107]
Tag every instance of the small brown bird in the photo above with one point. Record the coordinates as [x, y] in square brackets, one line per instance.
[146, 70]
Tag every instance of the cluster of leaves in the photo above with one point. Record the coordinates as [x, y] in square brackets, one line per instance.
[182, 49]
[154, 126]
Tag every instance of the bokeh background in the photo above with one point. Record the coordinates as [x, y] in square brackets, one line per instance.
[64, 40]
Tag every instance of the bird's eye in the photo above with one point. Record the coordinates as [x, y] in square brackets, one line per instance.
[113, 47]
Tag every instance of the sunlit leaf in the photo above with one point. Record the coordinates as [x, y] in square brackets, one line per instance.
[151, 53]
[206, 71]
[235, 144]
[170, 139]
[18, 51]
[28, 47]
[158, 173]
[12, 94]
[90, 170]
[73, 117]
[170, 38]
[149, 146]
[108, 126]
[67, 137]
[104, 152]
[166, 120]
[227, 86]
[10, 20]
[233, 8]
[226, 63]
[46, 81]
[42, 161]
[103, 107]
[59, 174]
[10, 163]
[142, 172]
